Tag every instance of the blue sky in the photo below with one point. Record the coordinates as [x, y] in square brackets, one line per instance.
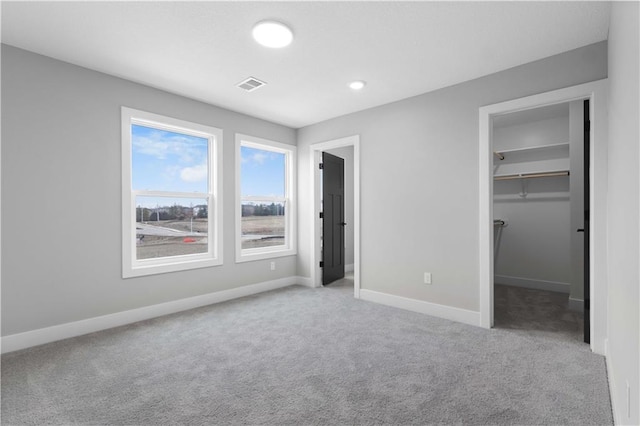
[169, 161]
[261, 172]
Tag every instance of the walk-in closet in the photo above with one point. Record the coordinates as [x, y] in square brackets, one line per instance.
[538, 208]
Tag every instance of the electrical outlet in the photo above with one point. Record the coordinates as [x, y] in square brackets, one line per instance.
[427, 277]
[273, 266]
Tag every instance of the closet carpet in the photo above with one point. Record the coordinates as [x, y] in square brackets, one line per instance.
[300, 356]
[536, 310]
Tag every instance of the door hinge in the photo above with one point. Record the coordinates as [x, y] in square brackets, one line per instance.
[321, 215]
[322, 264]
[321, 166]
[587, 126]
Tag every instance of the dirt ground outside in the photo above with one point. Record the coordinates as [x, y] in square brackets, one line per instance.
[167, 238]
[257, 231]
[262, 231]
[153, 246]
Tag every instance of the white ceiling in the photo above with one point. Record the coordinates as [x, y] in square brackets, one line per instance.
[203, 49]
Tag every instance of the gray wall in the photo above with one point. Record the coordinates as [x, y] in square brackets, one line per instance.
[534, 248]
[528, 134]
[346, 153]
[624, 211]
[61, 201]
[419, 178]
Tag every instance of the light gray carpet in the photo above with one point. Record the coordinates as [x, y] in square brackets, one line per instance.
[305, 357]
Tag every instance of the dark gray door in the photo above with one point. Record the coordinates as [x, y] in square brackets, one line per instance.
[332, 218]
[587, 227]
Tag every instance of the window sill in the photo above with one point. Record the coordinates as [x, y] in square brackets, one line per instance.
[130, 271]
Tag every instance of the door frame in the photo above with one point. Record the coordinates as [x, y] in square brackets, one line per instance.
[596, 92]
[315, 151]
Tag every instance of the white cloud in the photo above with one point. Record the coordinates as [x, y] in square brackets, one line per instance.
[171, 171]
[151, 147]
[160, 144]
[194, 174]
[255, 158]
[259, 157]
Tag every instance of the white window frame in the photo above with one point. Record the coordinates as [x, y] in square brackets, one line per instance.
[290, 246]
[132, 267]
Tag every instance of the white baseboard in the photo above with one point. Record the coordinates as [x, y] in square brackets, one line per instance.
[305, 281]
[616, 403]
[349, 268]
[433, 309]
[41, 336]
[556, 286]
[576, 305]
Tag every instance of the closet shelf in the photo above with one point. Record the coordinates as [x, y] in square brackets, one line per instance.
[532, 175]
[534, 148]
[556, 150]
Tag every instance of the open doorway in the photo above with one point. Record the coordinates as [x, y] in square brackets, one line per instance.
[539, 220]
[348, 150]
[596, 93]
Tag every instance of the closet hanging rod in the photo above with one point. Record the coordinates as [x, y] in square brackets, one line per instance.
[532, 175]
[497, 154]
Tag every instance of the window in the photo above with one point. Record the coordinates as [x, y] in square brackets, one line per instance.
[171, 178]
[265, 215]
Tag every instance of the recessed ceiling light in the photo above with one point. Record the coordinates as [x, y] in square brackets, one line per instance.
[272, 34]
[357, 85]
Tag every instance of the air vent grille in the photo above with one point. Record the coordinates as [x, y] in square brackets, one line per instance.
[251, 84]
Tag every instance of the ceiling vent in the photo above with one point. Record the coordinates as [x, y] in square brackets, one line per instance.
[251, 84]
